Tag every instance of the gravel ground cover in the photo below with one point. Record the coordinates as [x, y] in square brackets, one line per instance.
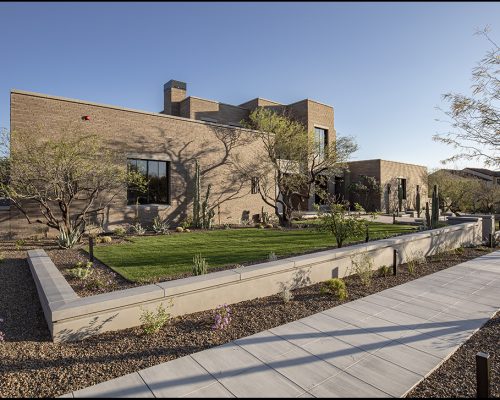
[32, 366]
[456, 377]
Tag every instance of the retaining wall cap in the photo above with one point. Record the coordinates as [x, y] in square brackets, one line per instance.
[37, 253]
[107, 301]
[266, 268]
[199, 282]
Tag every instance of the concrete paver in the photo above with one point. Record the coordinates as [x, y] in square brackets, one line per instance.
[381, 345]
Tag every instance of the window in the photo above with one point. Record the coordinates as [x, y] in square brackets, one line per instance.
[321, 141]
[255, 184]
[402, 182]
[157, 174]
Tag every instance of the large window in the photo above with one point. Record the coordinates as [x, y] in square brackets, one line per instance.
[320, 141]
[157, 174]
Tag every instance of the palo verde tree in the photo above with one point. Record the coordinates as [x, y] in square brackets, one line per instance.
[475, 118]
[291, 162]
[68, 174]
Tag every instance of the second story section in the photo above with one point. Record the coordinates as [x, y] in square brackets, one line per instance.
[317, 117]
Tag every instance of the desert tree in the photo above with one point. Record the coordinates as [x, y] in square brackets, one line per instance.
[67, 174]
[475, 118]
[290, 163]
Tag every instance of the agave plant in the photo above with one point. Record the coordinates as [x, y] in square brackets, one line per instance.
[67, 240]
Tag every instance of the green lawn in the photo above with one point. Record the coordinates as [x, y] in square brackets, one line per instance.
[155, 257]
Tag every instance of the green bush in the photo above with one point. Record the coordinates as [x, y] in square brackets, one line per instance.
[80, 271]
[384, 270]
[119, 231]
[152, 322]
[335, 286]
[200, 266]
[106, 239]
[362, 266]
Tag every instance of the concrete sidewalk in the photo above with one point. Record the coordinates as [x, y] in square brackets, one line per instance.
[379, 346]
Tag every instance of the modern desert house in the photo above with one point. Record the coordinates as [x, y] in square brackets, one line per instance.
[165, 145]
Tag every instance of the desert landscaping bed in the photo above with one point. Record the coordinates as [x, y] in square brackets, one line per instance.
[456, 377]
[230, 248]
[33, 366]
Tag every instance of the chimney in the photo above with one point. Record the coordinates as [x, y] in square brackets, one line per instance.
[173, 93]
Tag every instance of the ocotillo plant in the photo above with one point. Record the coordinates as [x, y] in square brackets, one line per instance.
[196, 201]
[427, 215]
[435, 207]
[417, 201]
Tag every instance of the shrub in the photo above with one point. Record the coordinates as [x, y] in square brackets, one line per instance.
[179, 229]
[80, 271]
[269, 226]
[119, 231]
[200, 266]
[187, 222]
[97, 283]
[222, 317]
[20, 243]
[362, 266]
[152, 322]
[286, 294]
[335, 286]
[459, 250]
[160, 226]
[414, 258]
[272, 256]
[340, 224]
[187, 230]
[68, 240]
[384, 270]
[137, 229]
[106, 239]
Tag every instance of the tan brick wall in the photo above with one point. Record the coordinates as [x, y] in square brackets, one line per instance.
[158, 136]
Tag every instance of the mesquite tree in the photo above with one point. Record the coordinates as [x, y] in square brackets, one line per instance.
[69, 175]
[475, 119]
[289, 164]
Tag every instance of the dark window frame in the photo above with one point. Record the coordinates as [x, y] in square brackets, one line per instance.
[132, 197]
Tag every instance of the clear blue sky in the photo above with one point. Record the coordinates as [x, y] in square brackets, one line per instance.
[383, 66]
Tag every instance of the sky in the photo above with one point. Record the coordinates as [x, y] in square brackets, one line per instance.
[382, 66]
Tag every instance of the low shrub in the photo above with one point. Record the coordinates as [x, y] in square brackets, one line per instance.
[119, 231]
[335, 286]
[222, 317]
[137, 229]
[160, 226]
[362, 266]
[20, 243]
[187, 230]
[459, 250]
[269, 226]
[272, 256]
[80, 271]
[286, 294]
[384, 270]
[106, 239]
[200, 266]
[152, 322]
[187, 222]
[179, 229]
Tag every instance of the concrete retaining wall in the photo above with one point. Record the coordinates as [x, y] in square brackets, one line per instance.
[72, 318]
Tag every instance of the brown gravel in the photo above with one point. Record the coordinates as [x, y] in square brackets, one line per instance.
[32, 366]
[456, 377]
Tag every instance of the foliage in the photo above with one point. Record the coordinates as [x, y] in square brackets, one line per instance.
[67, 239]
[339, 223]
[475, 118]
[80, 271]
[362, 265]
[366, 192]
[179, 229]
[272, 256]
[186, 223]
[222, 317]
[286, 294]
[152, 322]
[159, 226]
[414, 258]
[119, 231]
[290, 165]
[69, 174]
[384, 270]
[137, 229]
[20, 243]
[335, 286]
[200, 265]
[106, 239]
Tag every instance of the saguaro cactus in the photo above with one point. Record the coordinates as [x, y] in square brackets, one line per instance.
[435, 207]
[196, 201]
[417, 201]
